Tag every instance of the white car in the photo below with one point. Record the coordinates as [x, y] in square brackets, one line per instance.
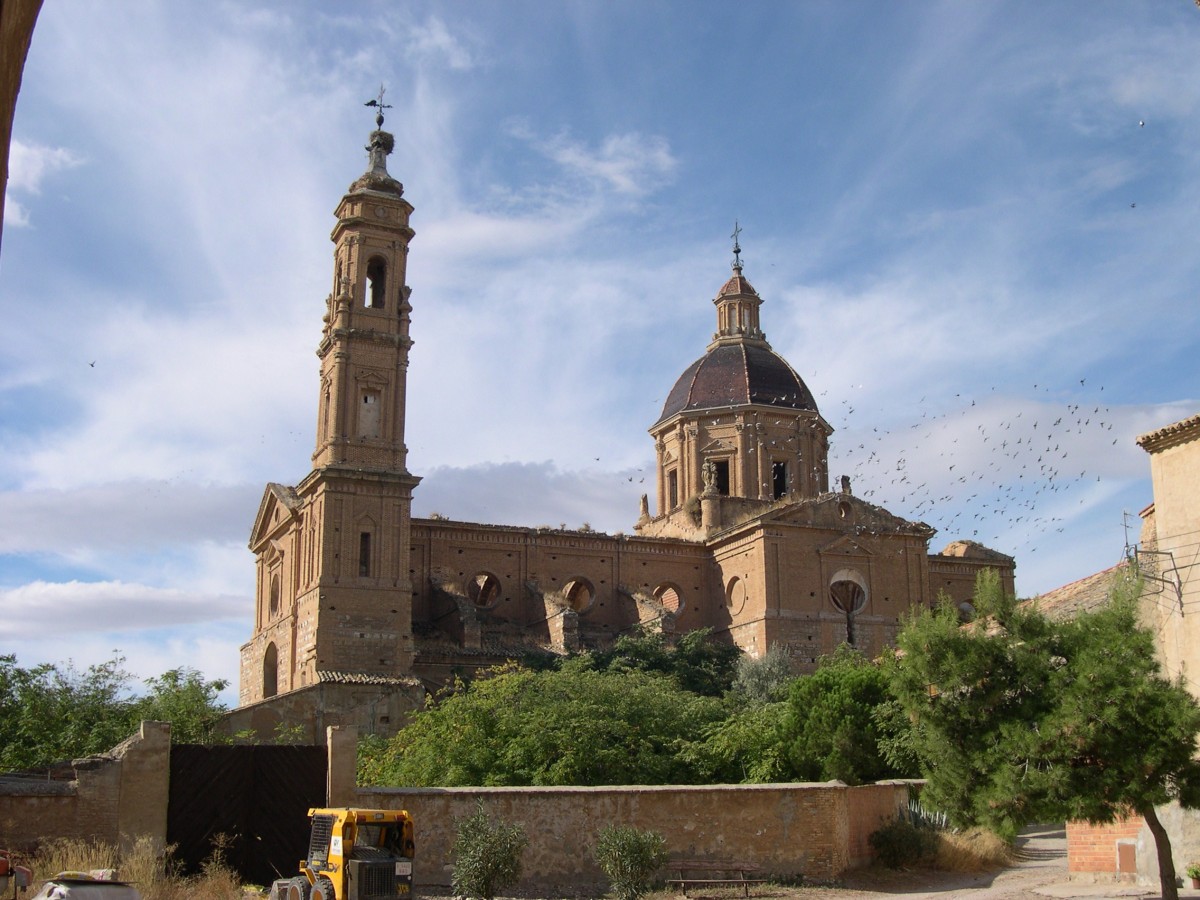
[86, 886]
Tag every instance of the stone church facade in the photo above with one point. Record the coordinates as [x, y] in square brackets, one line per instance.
[360, 609]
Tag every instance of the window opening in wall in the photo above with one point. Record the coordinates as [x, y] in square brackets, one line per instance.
[723, 477]
[368, 415]
[364, 554]
[579, 594]
[270, 671]
[672, 489]
[848, 592]
[668, 596]
[779, 479]
[376, 283]
[274, 595]
[484, 589]
[735, 594]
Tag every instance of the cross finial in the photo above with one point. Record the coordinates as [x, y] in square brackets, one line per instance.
[378, 103]
[737, 250]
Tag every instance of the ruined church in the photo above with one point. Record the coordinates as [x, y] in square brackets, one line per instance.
[360, 609]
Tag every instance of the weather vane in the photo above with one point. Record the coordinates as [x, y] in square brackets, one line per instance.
[737, 251]
[379, 105]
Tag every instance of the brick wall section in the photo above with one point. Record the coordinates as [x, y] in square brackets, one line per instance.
[1092, 849]
[815, 830]
[115, 797]
[869, 807]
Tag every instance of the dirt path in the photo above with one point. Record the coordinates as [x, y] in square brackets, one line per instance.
[1039, 873]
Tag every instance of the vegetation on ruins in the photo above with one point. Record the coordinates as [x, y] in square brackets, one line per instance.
[51, 713]
[1018, 718]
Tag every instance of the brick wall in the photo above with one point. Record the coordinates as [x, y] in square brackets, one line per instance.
[1103, 850]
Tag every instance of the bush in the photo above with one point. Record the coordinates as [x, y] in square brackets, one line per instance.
[630, 858]
[901, 843]
[487, 855]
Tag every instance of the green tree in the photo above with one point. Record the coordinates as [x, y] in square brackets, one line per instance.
[748, 747]
[763, 679]
[697, 661]
[1022, 719]
[185, 699]
[831, 730]
[51, 713]
[576, 726]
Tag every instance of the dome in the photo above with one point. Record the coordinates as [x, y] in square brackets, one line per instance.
[738, 374]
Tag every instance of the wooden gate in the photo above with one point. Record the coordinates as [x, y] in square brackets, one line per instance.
[250, 802]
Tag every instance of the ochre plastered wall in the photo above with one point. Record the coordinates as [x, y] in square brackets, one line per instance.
[815, 830]
[114, 798]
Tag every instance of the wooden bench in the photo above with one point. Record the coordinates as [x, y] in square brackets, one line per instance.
[713, 873]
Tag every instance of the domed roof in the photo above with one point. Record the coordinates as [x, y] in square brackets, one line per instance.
[737, 374]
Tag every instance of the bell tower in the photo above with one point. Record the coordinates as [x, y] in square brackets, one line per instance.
[334, 596]
[364, 343]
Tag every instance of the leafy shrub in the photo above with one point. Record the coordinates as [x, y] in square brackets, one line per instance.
[900, 843]
[487, 855]
[630, 858]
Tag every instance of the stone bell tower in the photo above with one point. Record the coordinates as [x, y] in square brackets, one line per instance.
[334, 598]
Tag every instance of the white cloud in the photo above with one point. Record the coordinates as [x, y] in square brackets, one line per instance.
[40, 608]
[632, 164]
[30, 164]
[433, 40]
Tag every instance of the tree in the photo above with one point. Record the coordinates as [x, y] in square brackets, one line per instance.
[698, 663]
[1019, 719]
[50, 713]
[831, 730]
[577, 726]
[185, 699]
[747, 748]
[763, 679]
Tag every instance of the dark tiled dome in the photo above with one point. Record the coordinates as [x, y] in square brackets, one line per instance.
[736, 375]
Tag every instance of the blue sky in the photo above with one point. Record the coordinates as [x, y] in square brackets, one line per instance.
[973, 226]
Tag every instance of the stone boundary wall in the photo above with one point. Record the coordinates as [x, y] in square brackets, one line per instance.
[115, 797]
[815, 830]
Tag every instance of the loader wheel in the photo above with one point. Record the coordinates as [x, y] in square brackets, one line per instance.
[298, 888]
[323, 890]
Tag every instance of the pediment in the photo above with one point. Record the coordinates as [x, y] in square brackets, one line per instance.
[279, 504]
[718, 446]
[847, 513]
[845, 545]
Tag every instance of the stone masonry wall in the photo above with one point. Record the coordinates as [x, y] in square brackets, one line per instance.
[815, 830]
[116, 797]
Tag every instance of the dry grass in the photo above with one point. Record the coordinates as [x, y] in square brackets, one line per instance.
[150, 872]
[975, 850]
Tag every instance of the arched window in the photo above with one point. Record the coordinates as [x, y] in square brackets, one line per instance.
[275, 595]
[270, 672]
[376, 283]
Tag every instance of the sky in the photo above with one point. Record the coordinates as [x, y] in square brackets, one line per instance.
[973, 227]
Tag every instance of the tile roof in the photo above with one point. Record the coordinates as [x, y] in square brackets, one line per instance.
[1085, 595]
